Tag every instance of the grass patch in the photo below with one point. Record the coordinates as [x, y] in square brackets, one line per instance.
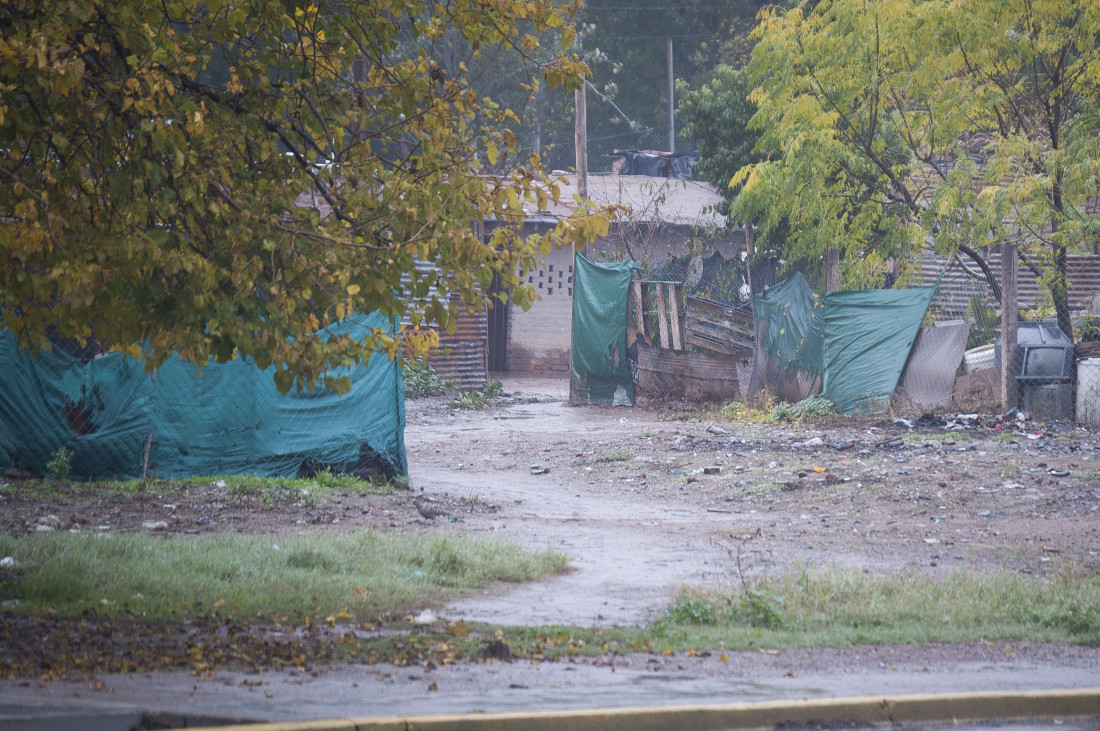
[232, 485]
[833, 608]
[182, 578]
[623, 455]
[477, 400]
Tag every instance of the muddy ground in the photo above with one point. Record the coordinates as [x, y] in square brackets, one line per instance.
[648, 500]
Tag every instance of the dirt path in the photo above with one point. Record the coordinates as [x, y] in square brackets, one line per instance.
[644, 505]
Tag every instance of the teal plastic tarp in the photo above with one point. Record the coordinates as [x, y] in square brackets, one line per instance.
[599, 369]
[868, 337]
[228, 420]
[796, 324]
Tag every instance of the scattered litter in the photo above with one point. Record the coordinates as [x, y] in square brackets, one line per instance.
[904, 422]
[536, 470]
[425, 617]
[7, 562]
[931, 541]
[156, 525]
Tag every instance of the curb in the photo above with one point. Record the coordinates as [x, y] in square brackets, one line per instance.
[945, 708]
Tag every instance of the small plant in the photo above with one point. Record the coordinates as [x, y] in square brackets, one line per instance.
[60, 464]
[731, 411]
[421, 380]
[810, 409]
[690, 611]
[761, 606]
[620, 456]
[476, 400]
[984, 322]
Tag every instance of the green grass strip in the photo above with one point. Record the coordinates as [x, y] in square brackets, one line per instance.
[365, 574]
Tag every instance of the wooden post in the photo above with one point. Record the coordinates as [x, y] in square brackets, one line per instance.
[832, 269]
[662, 315]
[674, 315]
[760, 359]
[1010, 392]
[639, 308]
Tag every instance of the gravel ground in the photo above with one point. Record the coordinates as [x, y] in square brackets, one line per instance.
[647, 500]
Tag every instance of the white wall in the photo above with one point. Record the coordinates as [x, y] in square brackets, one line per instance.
[539, 339]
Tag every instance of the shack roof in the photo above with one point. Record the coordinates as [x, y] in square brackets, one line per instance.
[647, 199]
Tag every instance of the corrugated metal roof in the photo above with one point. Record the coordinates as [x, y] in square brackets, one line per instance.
[957, 285]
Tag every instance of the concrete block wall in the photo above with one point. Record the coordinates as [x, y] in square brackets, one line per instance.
[539, 339]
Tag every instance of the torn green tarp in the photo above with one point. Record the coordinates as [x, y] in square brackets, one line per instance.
[868, 337]
[796, 324]
[599, 369]
[120, 422]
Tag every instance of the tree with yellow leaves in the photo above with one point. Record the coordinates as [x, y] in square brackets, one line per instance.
[227, 178]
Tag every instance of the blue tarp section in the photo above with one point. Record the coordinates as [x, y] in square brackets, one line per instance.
[868, 337]
[228, 420]
[600, 371]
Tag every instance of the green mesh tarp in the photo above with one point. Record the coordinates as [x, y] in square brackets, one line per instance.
[600, 371]
[796, 323]
[120, 422]
[868, 337]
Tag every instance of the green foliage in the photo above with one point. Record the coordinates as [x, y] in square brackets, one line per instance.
[61, 464]
[687, 612]
[476, 400]
[421, 380]
[984, 322]
[890, 124]
[762, 608]
[810, 409]
[219, 180]
[717, 115]
[620, 456]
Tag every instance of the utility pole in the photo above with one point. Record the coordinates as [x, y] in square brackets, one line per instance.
[580, 141]
[1010, 393]
[671, 102]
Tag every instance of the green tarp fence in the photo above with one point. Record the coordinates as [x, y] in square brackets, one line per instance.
[857, 341]
[868, 337]
[121, 422]
[599, 368]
